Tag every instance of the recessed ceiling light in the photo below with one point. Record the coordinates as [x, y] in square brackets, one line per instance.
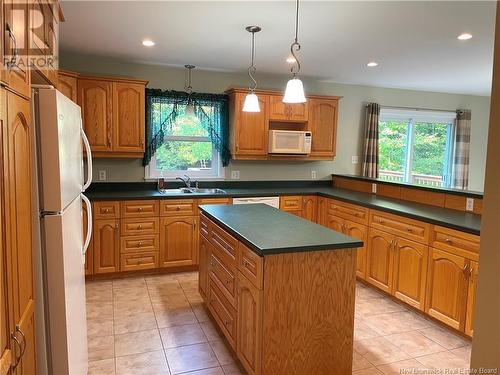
[372, 64]
[148, 43]
[290, 59]
[464, 36]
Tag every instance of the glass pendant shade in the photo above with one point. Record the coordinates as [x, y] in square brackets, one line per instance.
[294, 92]
[251, 103]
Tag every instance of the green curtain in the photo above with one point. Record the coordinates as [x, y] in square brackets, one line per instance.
[163, 107]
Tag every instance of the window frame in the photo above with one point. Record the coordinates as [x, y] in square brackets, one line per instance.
[412, 117]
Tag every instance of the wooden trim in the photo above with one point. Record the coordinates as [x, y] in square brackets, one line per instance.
[113, 154]
[240, 90]
[112, 79]
[421, 196]
[69, 73]
[157, 271]
[5, 362]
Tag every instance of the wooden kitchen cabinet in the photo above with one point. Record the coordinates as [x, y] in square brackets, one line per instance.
[291, 204]
[279, 111]
[323, 115]
[379, 259]
[67, 83]
[359, 232]
[447, 286]
[249, 333]
[204, 256]
[178, 241]
[309, 206]
[322, 211]
[106, 246]
[410, 272]
[471, 298]
[250, 130]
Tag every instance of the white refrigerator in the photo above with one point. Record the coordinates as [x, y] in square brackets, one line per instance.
[61, 242]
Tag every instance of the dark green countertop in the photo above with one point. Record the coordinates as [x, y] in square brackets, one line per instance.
[467, 222]
[267, 230]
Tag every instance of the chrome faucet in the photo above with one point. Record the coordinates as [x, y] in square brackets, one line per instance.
[186, 180]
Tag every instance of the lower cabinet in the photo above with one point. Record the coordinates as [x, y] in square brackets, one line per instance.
[322, 211]
[291, 204]
[204, 256]
[106, 246]
[471, 298]
[379, 259]
[178, 241]
[249, 338]
[309, 207]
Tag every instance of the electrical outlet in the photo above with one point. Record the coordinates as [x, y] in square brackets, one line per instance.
[469, 205]
[235, 175]
[314, 175]
[102, 175]
[374, 188]
[355, 159]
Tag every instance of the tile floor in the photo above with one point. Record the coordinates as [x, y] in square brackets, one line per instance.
[158, 325]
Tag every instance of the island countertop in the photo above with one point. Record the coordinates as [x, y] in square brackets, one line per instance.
[267, 230]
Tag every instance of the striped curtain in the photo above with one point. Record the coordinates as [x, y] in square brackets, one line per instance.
[461, 150]
[370, 150]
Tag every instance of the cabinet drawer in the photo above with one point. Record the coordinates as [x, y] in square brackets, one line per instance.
[139, 261]
[178, 207]
[203, 201]
[401, 226]
[137, 244]
[250, 265]
[225, 243]
[455, 242]
[142, 208]
[291, 203]
[348, 211]
[204, 226]
[223, 276]
[106, 210]
[223, 313]
[135, 227]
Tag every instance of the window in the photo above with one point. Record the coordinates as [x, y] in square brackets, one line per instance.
[415, 146]
[187, 148]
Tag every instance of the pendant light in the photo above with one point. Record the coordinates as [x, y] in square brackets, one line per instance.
[251, 101]
[294, 92]
[189, 111]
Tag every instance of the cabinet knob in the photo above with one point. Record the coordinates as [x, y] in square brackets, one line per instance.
[139, 209]
[106, 210]
[139, 226]
[177, 208]
[447, 240]
[139, 244]
[409, 229]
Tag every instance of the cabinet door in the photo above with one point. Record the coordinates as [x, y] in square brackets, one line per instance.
[95, 98]
[379, 259]
[106, 246]
[323, 126]
[128, 117]
[178, 241]
[309, 207]
[249, 333]
[335, 223]
[17, 177]
[251, 129]
[410, 272]
[321, 215]
[16, 27]
[359, 232]
[89, 255]
[279, 111]
[447, 288]
[471, 298]
[204, 255]
[67, 84]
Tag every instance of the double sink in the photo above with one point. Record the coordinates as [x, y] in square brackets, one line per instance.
[186, 190]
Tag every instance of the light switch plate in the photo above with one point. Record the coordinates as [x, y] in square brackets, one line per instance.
[314, 175]
[235, 175]
[374, 188]
[469, 205]
[355, 159]
[102, 175]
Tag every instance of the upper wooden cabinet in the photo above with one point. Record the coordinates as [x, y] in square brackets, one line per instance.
[113, 115]
[67, 84]
[279, 111]
[249, 132]
[323, 114]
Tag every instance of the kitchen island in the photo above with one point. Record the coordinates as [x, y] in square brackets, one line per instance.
[280, 288]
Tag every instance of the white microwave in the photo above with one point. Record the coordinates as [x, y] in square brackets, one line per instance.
[289, 142]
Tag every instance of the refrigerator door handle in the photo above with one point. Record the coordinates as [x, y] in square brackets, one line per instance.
[89, 158]
[89, 223]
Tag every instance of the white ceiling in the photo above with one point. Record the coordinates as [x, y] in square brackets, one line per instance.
[414, 42]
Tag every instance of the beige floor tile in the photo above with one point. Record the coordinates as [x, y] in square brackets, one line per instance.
[194, 297]
[137, 342]
[187, 334]
[398, 322]
[444, 337]
[136, 293]
[168, 301]
[377, 306]
[210, 331]
[174, 317]
[127, 308]
[161, 279]
[208, 371]
[101, 347]
[143, 364]
[414, 343]
[359, 362]
[190, 358]
[187, 276]
[128, 282]
[223, 352]
[368, 371]
[201, 311]
[134, 323]
[99, 327]
[102, 367]
[464, 352]
[233, 369]
[408, 366]
[99, 310]
[380, 351]
[445, 361]
[189, 284]
[99, 294]
[362, 331]
[365, 293]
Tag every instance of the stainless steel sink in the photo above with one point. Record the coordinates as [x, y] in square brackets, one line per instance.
[207, 191]
[176, 191]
